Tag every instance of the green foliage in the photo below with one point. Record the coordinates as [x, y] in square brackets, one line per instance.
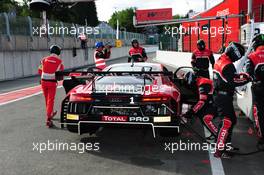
[8, 6]
[85, 11]
[79, 13]
[125, 18]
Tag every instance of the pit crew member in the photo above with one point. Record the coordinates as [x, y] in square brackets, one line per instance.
[47, 69]
[201, 58]
[101, 53]
[255, 68]
[204, 108]
[225, 81]
[136, 52]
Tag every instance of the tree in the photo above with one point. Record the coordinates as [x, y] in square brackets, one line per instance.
[125, 18]
[79, 13]
[8, 6]
[85, 11]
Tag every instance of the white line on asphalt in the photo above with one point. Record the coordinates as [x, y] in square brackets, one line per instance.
[22, 98]
[216, 163]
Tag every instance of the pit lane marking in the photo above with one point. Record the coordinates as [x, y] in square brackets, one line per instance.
[21, 94]
[216, 163]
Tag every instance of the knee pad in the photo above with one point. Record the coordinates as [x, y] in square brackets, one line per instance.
[208, 118]
[227, 123]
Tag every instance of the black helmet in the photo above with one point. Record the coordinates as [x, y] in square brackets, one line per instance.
[201, 44]
[190, 78]
[235, 51]
[55, 49]
[258, 41]
[134, 41]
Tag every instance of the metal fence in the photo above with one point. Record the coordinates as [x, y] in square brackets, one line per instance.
[20, 33]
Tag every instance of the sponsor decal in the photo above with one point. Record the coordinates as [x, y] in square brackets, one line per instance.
[162, 119]
[139, 119]
[72, 117]
[114, 118]
[223, 12]
[154, 14]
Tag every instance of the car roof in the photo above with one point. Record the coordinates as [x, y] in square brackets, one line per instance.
[154, 65]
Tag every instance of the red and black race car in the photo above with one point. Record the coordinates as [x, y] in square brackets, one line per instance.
[137, 95]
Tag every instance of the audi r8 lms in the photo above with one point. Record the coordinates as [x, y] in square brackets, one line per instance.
[138, 95]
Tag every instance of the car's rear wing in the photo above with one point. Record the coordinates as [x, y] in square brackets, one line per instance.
[89, 74]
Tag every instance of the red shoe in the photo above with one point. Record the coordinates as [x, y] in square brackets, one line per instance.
[49, 124]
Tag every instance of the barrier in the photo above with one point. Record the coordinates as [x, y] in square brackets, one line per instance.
[20, 64]
[178, 59]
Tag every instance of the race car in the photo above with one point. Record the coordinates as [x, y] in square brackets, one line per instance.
[141, 95]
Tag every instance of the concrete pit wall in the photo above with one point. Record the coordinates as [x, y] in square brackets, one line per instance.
[20, 64]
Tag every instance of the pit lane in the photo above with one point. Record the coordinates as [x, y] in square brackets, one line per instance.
[122, 151]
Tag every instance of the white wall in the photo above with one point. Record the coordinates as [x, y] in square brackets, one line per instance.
[177, 59]
[21, 64]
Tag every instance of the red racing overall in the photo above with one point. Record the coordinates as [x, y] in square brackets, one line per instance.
[201, 60]
[225, 81]
[255, 68]
[204, 108]
[49, 65]
[99, 58]
[140, 51]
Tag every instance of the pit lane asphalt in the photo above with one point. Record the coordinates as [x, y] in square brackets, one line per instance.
[122, 151]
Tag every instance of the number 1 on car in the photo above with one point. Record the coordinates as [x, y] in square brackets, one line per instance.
[132, 100]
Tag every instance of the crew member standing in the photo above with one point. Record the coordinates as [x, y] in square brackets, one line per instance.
[101, 53]
[49, 66]
[201, 58]
[204, 108]
[255, 68]
[83, 40]
[225, 81]
[137, 51]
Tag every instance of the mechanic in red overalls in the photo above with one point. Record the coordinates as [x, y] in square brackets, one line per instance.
[225, 81]
[50, 65]
[137, 51]
[255, 68]
[201, 58]
[101, 53]
[204, 108]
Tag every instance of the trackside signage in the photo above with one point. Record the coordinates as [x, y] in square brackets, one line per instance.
[154, 14]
